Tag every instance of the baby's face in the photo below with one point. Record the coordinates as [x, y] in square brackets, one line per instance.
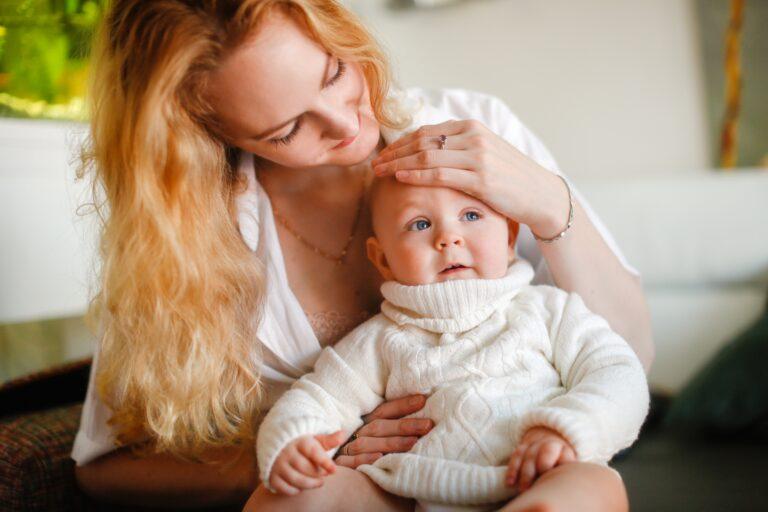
[431, 234]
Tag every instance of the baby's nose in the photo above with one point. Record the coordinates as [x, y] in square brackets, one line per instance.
[447, 239]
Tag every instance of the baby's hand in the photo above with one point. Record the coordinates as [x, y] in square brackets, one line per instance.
[303, 463]
[539, 450]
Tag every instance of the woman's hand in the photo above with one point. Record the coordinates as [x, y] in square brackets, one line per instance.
[385, 431]
[540, 450]
[478, 162]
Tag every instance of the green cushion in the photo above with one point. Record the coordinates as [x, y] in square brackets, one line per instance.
[730, 394]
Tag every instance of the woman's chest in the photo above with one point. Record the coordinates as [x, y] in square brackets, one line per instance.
[336, 296]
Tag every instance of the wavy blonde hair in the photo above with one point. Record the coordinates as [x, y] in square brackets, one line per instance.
[179, 291]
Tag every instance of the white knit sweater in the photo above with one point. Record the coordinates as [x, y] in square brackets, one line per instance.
[495, 357]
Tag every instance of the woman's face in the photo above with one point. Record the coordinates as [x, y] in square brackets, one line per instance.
[282, 97]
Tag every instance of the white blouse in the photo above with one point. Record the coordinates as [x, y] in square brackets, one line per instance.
[289, 345]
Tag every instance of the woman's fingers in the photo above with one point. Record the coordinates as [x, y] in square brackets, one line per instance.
[448, 128]
[397, 408]
[352, 461]
[460, 179]
[401, 427]
[431, 159]
[380, 444]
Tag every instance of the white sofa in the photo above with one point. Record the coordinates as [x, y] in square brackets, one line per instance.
[698, 238]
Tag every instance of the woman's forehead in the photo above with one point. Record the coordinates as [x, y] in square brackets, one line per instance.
[270, 78]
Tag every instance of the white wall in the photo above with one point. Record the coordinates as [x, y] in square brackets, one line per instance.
[611, 87]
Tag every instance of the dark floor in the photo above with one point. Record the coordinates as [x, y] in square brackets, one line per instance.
[666, 472]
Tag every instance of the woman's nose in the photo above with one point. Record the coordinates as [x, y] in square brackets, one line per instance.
[447, 239]
[341, 122]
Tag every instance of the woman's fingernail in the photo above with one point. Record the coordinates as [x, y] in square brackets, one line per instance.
[402, 174]
[415, 400]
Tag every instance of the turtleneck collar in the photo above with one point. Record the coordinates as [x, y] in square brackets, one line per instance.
[452, 306]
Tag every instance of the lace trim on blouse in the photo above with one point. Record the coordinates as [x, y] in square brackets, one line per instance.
[331, 326]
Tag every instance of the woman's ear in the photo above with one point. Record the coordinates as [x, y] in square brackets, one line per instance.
[378, 258]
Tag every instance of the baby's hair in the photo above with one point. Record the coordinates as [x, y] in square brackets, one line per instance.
[378, 184]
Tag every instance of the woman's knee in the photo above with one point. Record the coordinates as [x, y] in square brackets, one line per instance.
[346, 489]
[574, 486]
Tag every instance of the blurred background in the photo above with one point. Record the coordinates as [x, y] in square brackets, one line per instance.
[655, 109]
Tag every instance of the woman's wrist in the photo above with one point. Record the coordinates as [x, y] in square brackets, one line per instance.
[552, 207]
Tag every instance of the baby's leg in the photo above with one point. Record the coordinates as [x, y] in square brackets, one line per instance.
[345, 490]
[574, 486]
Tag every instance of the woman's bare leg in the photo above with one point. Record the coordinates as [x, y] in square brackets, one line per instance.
[574, 487]
[345, 490]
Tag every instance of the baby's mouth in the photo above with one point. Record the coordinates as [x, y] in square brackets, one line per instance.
[456, 267]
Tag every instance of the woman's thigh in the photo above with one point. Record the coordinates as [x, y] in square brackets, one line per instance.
[345, 490]
[576, 486]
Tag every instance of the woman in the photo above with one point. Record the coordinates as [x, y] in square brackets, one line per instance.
[233, 143]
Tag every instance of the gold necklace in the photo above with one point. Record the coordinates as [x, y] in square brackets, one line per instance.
[339, 259]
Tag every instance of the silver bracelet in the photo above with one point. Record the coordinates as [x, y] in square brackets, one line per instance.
[570, 218]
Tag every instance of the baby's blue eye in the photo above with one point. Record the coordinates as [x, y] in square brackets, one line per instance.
[419, 225]
[472, 216]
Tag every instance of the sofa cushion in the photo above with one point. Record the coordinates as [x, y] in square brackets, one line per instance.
[730, 394]
[35, 467]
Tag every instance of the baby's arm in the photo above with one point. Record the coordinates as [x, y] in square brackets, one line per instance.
[347, 382]
[607, 393]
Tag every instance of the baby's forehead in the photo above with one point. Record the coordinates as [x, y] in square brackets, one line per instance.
[389, 196]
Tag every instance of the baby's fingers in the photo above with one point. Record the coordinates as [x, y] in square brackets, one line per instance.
[313, 450]
[300, 481]
[305, 466]
[528, 468]
[282, 486]
[567, 455]
[513, 466]
[549, 454]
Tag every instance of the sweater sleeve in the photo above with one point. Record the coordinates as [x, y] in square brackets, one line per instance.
[347, 382]
[606, 398]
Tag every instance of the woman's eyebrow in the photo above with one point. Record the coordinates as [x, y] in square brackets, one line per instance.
[263, 135]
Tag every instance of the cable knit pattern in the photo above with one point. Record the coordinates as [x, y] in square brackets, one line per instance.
[495, 357]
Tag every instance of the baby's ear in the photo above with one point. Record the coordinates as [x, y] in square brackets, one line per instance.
[378, 258]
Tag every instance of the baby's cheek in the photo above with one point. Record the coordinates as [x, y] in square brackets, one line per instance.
[492, 257]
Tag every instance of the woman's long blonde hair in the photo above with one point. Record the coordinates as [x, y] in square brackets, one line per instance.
[179, 291]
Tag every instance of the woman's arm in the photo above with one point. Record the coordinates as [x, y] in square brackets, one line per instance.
[164, 481]
[582, 262]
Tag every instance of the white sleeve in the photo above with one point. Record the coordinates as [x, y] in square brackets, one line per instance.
[505, 123]
[348, 381]
[606, 397]
[94, 437]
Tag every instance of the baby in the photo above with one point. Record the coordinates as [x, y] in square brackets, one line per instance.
[515, 374]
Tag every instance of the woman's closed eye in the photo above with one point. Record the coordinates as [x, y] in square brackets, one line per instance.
[340, 70]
